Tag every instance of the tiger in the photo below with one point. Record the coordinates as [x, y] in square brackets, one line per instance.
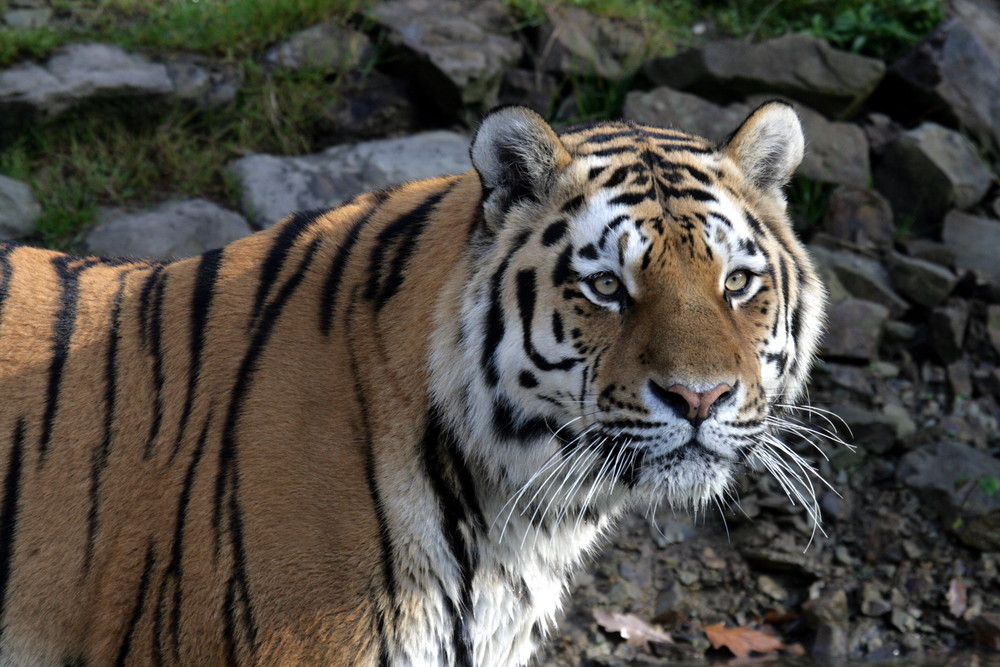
[388, 433]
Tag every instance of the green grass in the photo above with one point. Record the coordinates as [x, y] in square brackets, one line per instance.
[112, 159]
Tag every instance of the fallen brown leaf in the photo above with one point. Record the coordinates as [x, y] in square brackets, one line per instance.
[742, 640]
[633, 629]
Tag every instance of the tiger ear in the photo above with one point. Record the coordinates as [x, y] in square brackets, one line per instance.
[517, 156]
[768, 146]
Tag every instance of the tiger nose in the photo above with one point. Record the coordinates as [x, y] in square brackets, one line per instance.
[687, 403]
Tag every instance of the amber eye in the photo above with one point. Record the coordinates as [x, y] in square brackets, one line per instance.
[606, 284]
[737, 280]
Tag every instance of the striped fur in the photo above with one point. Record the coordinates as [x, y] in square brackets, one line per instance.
[386, 433]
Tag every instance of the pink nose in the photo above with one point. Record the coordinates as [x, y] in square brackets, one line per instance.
[690, 404]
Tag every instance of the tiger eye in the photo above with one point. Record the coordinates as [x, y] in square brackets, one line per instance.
[737, 280]
[607, 285]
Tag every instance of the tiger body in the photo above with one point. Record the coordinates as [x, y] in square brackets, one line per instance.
[387, 433]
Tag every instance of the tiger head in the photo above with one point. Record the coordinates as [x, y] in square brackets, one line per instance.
[638, 309]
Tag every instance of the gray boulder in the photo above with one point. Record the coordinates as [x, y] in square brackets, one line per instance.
[835, 152]
[974, 241]
[575, 42]
[947, 476]
[863, 278]
[27, 18]
[800, 66]
[326, 46]
[18, 208]
[202, 82]
[929, 170]
[920, 281]
[458, 50]
[860, 216]
[666, 106]
[955, 74]
[854, 329]
[947, 325]
[272, 187]
[172, 230]
[78, 73]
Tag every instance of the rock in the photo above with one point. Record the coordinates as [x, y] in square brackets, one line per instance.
[76, 74]
[928, 171]
[873, 432]
[836, 153]
[800, 66]
[947, 329]
[865, 278]
[456, 52]
[202, 82]
[828, 616]
[872, 601]
[953, 74]
[530, 88]
[326, 46]
[272, 187]
[666, 106]
[947, 475]
[993, 326]
[172, 230]
[370, 105]
[986, 630]
[18, 208]
[575, 42]
[27, 19]
[860, 216]
[771, 588]
[920, 281]
[854, 329]
[960, 378]
[974, 241]
[930, 251]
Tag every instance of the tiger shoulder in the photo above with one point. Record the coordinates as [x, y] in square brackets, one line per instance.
[387, 433]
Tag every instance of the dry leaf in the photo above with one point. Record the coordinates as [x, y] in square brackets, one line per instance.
[957, 602]
[634, 630]
[741, 641]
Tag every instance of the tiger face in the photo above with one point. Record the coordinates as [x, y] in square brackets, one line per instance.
[639, 307]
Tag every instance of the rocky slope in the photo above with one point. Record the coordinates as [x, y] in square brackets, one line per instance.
[900, 206]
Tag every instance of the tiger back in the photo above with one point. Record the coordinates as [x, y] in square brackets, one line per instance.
[388, 432]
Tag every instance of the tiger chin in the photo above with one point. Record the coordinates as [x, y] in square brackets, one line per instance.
[387, 433]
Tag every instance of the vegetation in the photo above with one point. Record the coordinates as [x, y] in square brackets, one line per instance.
[79, 163]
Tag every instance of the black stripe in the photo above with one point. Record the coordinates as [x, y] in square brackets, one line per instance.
[385, 278]
[174, 573]
[557, 327]
[8, 517]
[371, 478]
[227, 479]
[562, 272]
[328, 300]
[458, 508]
[146, 302]
[290, 232]
[554, 232]
[68, 271]
[493, 324]
[156, 352]
[201, 303]
[99, 461]
[526, 306]
[6, 271]
[140, 602]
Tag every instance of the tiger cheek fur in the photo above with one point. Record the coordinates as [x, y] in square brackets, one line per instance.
[388, 432]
